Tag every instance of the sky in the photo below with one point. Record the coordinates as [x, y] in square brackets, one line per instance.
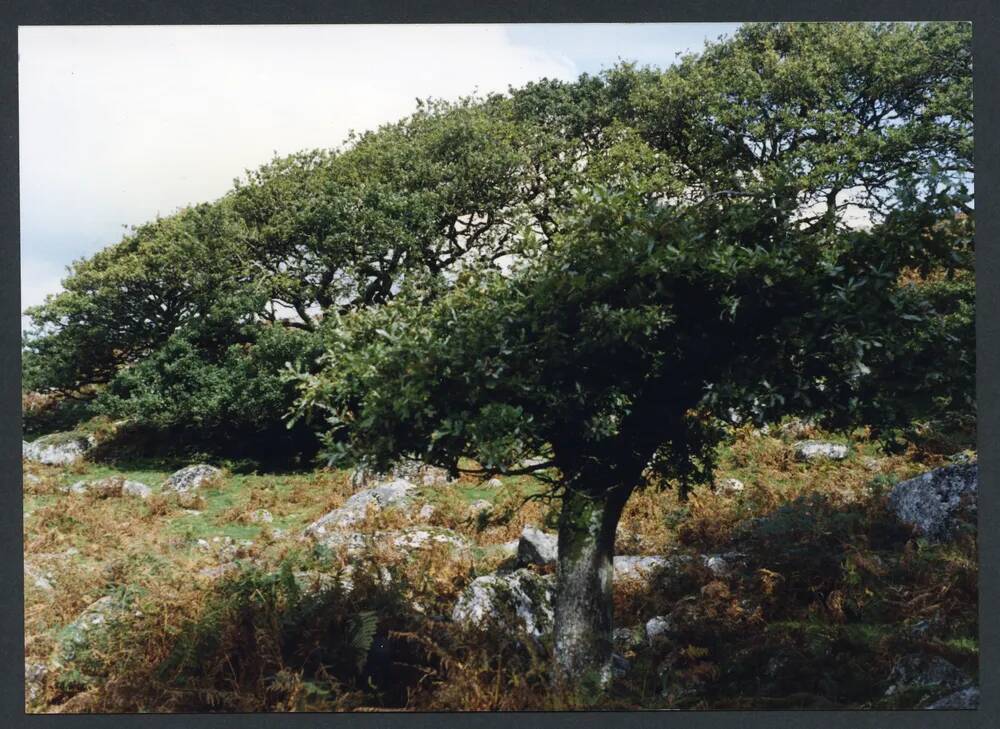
[119, 124]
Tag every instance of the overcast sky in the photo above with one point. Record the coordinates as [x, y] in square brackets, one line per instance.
[119, 124]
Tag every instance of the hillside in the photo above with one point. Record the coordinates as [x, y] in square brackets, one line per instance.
[792, 585]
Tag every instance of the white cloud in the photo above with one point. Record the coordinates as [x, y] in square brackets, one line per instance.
[118, 124]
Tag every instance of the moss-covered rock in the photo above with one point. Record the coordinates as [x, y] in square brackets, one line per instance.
[523, 596]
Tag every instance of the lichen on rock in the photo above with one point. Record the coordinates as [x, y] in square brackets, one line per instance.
[522, 595]
[930, 502]
[191, 478]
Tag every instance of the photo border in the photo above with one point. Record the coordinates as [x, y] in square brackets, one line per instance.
[986, 27]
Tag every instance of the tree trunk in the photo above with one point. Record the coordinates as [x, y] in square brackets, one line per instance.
[583, 609]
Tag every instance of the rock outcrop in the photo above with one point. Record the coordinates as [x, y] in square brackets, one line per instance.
[931, 673]
[57, 449]
[86, 632]
[817, 450]
[965, 698]
[930, 502]
[355, 509]
[522, 595]
[111, 487]
[412, 471]
[628, 568]
[421, 538]
[191, 478]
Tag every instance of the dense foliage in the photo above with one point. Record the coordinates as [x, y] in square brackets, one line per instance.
[696, 285]
[789, 126]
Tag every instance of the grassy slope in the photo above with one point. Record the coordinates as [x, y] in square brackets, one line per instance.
[828, 595]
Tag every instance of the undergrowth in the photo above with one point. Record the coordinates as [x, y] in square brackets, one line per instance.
[822, 594]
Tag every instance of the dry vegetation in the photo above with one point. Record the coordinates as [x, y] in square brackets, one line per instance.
[824, 594]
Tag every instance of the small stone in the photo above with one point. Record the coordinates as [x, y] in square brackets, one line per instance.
[493, 483]
[815, 450]
[111, 487]
[963, 458]
[776, 666]
[262, 516]
[920, 628]
[796, 428]
[38, 578]
[434, 476]
[137, 489]
[191, 478]
[658, 626]
[731, 486]
[537, 547]
[632, 568]
[34, 680]
[417, 538]
[218, 571]
[627, 638]
[106, 488]
[313, 582]
[413, 471]
[718, 566]
[426, 512]
[620, 665]
[479, 505]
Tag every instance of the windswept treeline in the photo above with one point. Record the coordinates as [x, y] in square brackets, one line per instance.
[188, 322]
